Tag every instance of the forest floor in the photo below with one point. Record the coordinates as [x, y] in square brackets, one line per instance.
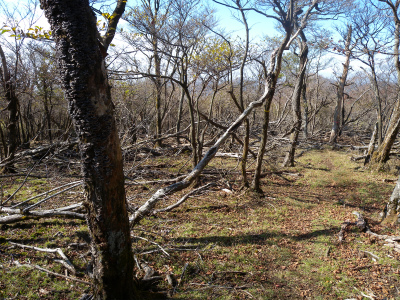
[226, 243]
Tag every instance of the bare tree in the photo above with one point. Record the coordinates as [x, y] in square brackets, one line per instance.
[150, 21]
[296, 101]
[338, 114]
[288, 14]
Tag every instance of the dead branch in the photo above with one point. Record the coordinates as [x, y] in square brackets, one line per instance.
[231, 155]
[22, 184]
[357, 158]
[225, 128]
[184, 198]
[212, 286]
[66, 262]
[17, 215]
[156, 140]
[369, 296]
[373, 256]
[47, 192]
[181, 279]
[21, 175]
[363, 267]
[155, 181]
[41, 151]
[152, 242]
[25, 210]
[50, 272]
[169, 250]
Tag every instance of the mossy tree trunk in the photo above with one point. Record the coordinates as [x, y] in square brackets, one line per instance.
[84, 79]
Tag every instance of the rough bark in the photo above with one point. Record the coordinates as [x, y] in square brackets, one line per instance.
[337, 117]
[86, 88]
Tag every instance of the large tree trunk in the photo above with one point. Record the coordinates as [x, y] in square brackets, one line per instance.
[87, 90]
[338, 116]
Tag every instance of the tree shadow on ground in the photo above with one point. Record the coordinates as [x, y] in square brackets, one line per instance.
[256, 239]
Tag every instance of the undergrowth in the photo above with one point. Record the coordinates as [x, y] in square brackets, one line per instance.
[221, 245]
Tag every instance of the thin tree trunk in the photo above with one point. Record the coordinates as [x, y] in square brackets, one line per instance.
[374, 85]
[245, 152]
[305, 102]
[158, 84]
[192, 133]
[86, 87]
[12, 107]
[3, 142]
[271, 77]
[371, 146]
[296, 99]
[263, 142]
[337, 117]
[179, 119]
[246, 139]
